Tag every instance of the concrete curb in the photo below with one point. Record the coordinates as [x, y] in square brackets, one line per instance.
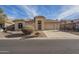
[44, 38]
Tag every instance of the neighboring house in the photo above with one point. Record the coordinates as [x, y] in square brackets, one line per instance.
[4, 21]
[76, 24]
[69, 25]
[6, 24]
[38, 23]
[9, 24]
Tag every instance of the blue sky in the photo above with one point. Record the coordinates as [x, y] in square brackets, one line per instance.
[49, 11]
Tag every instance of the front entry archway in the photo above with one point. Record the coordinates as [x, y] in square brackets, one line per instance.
[20, 25]
[39, 25]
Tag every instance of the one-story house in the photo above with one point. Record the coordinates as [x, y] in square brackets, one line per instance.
[38, 23]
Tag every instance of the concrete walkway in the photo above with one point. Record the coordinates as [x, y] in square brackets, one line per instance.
[60, 35]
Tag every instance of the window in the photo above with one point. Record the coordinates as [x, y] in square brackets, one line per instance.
[20, 25]
[39, 22]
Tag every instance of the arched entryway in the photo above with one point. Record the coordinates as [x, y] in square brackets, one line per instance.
[20, 25]
[39, 25]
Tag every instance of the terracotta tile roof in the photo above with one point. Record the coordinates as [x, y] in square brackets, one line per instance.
[39, 17]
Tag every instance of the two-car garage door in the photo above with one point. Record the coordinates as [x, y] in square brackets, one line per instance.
[51, 26]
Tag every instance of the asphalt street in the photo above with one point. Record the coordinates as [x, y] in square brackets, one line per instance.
[57, 46]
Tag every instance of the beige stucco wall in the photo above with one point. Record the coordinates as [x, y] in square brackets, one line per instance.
[24, 24]
[45, 25]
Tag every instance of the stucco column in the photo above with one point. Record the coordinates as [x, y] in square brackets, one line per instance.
[42, 24]
[36, 25]
[39, 18]
[24, 24]
[16, 26]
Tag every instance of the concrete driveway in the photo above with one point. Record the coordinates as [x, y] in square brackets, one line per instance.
[54, 34]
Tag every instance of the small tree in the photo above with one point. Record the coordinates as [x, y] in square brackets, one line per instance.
[2, 16]
[3, 19]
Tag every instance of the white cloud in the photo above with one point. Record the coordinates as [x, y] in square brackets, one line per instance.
[30, 11]
[11, 17]
[68, 11]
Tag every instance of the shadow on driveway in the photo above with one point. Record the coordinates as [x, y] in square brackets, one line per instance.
[15, 35]
[23, 36]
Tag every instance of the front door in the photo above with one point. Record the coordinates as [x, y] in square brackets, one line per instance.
[39, 25]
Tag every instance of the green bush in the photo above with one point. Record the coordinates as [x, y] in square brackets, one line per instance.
[28, 27]
[27, 30]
